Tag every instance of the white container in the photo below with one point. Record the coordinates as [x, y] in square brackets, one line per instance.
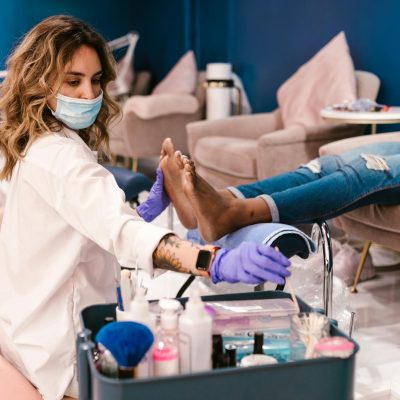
[257, 359]
[218, 96]
[195, 337]
[139, 311]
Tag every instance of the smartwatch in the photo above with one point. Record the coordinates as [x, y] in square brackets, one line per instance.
[203, 262]
[205, 259]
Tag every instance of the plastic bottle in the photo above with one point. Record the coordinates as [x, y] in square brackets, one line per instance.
[195, 337]
[139, 311]
[165, 352]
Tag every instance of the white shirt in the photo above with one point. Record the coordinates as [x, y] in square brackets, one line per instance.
[3, 186]
[65, 230]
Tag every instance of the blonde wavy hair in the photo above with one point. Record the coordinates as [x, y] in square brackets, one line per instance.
[38, 64]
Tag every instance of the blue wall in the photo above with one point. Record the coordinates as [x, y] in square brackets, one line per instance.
[266, 40]
[272, 39]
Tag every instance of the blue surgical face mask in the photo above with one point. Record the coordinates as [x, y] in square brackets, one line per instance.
[77, 113]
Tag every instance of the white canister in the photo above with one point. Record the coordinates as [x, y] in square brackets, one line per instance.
[219, 86]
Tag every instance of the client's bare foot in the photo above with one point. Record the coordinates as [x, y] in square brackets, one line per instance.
[217, 213]
[172, 166]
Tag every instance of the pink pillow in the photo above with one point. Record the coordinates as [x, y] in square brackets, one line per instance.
[325, 79]
[182, 78]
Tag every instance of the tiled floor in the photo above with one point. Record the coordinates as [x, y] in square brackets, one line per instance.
[377, 327]
[377, 306]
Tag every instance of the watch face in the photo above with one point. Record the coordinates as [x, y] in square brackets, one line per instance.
[203, 260]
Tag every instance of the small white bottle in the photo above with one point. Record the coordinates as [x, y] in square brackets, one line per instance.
[195, 337]
[165, 352]
[139, 311]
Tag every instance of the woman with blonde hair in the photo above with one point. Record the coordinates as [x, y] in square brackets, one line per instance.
[66, 227]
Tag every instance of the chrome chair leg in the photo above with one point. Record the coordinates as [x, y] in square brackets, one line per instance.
[352, 320]
[321, 234]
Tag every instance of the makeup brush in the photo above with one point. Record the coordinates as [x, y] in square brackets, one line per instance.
[127, 341]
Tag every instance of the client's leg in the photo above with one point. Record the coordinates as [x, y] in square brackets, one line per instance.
[313, 170]
[218, 214]
[368, 179]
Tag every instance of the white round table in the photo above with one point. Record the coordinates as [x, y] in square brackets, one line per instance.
[373, 118]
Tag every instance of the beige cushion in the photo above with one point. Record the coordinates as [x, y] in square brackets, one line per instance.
[157, 105]
[378, 216]
[375, 223]
[232, 156]
[182, 78]
[326, 79]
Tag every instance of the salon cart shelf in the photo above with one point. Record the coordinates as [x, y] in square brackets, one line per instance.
[315, 379]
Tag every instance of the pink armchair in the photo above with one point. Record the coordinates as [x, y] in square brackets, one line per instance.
[148, 120]
[243, 149]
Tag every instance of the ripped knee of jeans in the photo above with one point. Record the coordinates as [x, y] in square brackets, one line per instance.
[377, 163]
[314, 166]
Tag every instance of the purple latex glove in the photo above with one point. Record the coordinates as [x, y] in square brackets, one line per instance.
[250, 262]
[157, 201]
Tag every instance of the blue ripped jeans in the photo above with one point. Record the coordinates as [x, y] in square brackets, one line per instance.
[331, 185]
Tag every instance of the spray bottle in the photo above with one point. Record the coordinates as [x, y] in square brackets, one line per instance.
[195, 336]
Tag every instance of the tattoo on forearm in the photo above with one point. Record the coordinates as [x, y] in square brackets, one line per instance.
[165, 255]
[166, 259]
[172, 240]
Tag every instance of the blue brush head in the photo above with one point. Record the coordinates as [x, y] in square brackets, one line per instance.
[127, 341]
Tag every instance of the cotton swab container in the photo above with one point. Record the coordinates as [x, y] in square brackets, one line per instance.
[306, 329]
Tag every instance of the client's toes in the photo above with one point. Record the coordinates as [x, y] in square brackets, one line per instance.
[189, 167]
[179, 159]
[167, 147]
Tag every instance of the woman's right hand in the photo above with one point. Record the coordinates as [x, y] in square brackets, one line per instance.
[251, 263]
